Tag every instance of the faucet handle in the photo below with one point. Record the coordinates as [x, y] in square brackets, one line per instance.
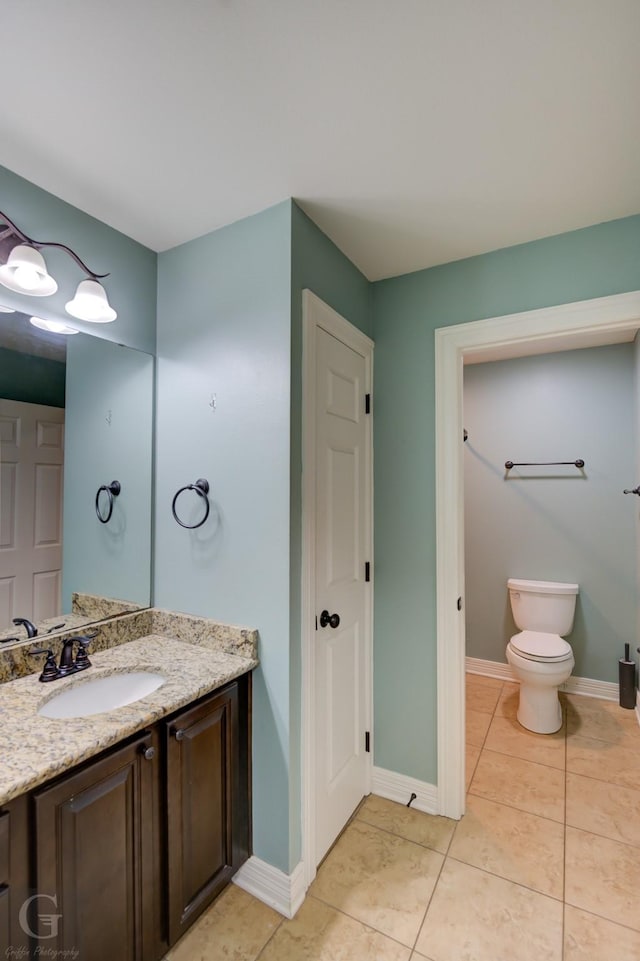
[50, 670]
[82, 660]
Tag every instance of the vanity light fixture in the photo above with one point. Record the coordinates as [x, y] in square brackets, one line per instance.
[25, 272]
[90, 303]
[53, 326]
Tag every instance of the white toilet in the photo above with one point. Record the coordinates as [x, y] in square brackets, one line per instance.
[540, 657]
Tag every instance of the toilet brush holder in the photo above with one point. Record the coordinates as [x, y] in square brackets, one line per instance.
[627, 678]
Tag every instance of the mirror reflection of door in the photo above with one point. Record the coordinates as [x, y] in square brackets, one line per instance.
[32, 416]
[99, 395]
[31, 472]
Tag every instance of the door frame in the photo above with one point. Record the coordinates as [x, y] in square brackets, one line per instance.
[569, 326]
[316, 314]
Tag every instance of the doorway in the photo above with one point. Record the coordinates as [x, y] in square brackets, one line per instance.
[337, 585]
[584, 324]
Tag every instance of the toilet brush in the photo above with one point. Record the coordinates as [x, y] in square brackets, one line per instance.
[627, 677]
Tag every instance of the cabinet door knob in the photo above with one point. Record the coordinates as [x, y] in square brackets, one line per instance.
[148, 753]
[179, 734]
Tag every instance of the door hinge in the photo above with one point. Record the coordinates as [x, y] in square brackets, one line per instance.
[367, 742]
[367, 571]
[367, 403]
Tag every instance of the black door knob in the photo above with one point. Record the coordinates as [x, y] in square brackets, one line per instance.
[333, 620]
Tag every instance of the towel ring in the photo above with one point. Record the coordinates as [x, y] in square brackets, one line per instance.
[201, 487]
[112, 490]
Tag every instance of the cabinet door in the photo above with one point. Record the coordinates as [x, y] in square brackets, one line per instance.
[97, 840]
[206, 771]
[5, 823]
[14, 879]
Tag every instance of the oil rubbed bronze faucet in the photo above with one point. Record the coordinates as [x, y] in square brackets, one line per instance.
[68, 665]
[30, 628]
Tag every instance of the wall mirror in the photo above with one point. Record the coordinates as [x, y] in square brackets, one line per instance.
[76, 414]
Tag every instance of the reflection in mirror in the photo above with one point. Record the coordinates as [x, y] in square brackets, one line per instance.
[75, 414]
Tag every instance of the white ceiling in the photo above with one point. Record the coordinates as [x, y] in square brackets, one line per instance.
[414, 132]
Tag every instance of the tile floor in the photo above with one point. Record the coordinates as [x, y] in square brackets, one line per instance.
[545, 865]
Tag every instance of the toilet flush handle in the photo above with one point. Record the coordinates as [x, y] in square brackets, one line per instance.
[636, 490]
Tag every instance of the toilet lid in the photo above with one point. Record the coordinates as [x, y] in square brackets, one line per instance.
[548, 647]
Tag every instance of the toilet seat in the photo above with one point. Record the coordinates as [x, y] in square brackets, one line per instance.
[537, 646]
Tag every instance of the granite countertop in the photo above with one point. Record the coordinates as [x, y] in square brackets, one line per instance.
[34, 749]
[66, 622]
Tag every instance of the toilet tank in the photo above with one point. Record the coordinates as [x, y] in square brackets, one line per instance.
[545, 606]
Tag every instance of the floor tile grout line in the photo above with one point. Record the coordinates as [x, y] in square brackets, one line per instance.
[403, 837]
[352, 917]
[513, 807]
[610, 741]
[430, 899]
[466, 740]
[501, 877]
[604, 837]
[602, 917]
[603, 780]
[519, 757]
[270, 938]
[564, 839]
[544, 817]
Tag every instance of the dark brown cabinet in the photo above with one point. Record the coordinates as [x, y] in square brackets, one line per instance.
[98, 857]
[207, 802]
[14, 878]
[129, 848]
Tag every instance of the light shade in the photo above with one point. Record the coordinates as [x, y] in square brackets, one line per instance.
[90, 303]
[26, 272]
[53, 326]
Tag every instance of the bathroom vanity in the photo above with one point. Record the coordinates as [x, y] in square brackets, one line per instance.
[126, 824]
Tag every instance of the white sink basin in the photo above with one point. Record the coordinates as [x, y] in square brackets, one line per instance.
[95, 695]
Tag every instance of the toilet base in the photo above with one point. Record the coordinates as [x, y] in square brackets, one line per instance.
[539, 709]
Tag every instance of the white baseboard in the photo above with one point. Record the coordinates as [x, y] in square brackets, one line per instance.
[605, 690]
[283, 892]
[475, 665]
[399, 787]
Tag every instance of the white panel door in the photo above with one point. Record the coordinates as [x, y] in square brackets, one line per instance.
[31, 472]
[341, 541]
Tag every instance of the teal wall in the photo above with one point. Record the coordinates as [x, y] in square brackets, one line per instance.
[34, 380]
[318, 265]
[230, 324]
[131, 286]
[108, 436]
[588, 263]
[224, 329]
[554, 524]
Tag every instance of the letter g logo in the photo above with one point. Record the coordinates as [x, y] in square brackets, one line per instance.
[47, 921]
